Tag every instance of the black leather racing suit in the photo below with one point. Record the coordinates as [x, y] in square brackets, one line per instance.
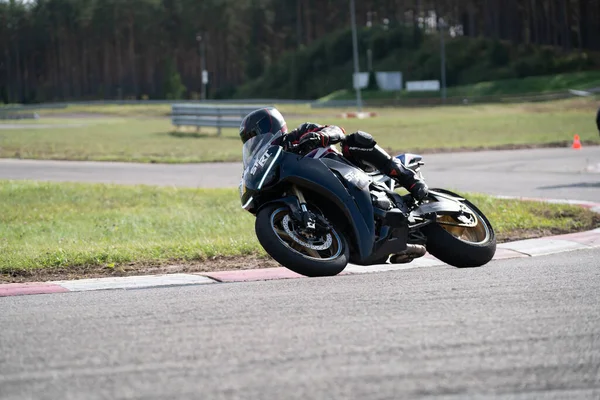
[362, 150]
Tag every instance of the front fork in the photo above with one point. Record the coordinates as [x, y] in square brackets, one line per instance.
[307, 219]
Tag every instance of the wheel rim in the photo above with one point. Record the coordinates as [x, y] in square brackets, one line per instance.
[318, 247]
[477, 234]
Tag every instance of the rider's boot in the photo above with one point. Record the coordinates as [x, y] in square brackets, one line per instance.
[361, 147]
[408, 179]
[394, 168]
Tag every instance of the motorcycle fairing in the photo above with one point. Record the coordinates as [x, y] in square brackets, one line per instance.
[260, 173]
[394, 229]
[315, 175]
[345, 185]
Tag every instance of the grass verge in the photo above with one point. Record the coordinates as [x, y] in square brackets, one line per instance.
[64, 230]
[425, 130]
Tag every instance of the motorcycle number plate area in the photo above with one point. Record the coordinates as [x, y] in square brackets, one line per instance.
[255, 174]
[351, 174]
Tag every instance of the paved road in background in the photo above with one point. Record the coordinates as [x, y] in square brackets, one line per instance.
[560, 173]
[523, 328]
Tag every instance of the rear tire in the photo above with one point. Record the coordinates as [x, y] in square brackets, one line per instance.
[449, 248]
[267, 228]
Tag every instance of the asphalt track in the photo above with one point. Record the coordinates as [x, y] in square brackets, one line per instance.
[514, 329]
[522, 328]
[560, 173]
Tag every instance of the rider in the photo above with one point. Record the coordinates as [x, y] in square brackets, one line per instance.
[359, 147]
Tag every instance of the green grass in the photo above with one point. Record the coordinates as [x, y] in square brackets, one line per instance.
[143, 139]
[125, 110]
[505, 87]
[50, 225]
[478, 126]
[119, 139]
[63, 226]
[529, 85]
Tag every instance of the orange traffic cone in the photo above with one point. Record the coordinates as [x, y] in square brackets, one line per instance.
[576, 143]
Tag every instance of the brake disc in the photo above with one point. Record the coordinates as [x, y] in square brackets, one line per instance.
[286, 226]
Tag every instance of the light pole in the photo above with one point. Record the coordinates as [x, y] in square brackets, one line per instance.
[443, 58]
[370, 50]
[355, 51]
[202, 46]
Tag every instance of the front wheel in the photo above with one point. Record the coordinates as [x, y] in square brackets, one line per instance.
[306, 253]
[461, 246]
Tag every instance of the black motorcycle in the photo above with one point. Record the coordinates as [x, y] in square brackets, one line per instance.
[317, 212]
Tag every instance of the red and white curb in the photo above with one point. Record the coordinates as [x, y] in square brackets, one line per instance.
[595, 207]
[133, 282]
[82, 285]
[518, 249]
[359, 115]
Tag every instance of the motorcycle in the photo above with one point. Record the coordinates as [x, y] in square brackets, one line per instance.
[317, 212]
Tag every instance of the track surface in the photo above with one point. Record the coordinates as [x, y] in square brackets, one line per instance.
[523, 328]
[560, 173]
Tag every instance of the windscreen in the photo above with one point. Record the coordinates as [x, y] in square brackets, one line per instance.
[257, 145]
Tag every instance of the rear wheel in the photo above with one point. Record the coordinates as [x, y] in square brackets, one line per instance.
[305, 252]
[461, 246]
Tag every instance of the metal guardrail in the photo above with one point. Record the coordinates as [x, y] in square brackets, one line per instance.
[219, 117]
[18, 115]
[29, 107]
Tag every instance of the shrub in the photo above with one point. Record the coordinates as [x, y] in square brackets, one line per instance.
[173, 87]
[327, 65]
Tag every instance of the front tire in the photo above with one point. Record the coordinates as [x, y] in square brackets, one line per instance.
[461, 247]
[313, 257]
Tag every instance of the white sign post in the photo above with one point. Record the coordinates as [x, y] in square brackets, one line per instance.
[423, 86]
[355, 53]
[389, 81]
[360, 80]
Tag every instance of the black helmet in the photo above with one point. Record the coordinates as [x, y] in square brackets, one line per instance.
[260, 122]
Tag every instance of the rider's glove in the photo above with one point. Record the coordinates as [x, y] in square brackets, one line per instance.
[419, 190]
[287, 143]
[312, 140]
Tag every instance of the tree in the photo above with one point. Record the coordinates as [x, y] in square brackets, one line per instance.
[73, 49]
[174, 88]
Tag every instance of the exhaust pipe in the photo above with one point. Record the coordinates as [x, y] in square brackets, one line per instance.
[412, 251]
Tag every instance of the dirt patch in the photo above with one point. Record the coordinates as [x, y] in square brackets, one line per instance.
[96, 271]
[530, 234]
[591, 221]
